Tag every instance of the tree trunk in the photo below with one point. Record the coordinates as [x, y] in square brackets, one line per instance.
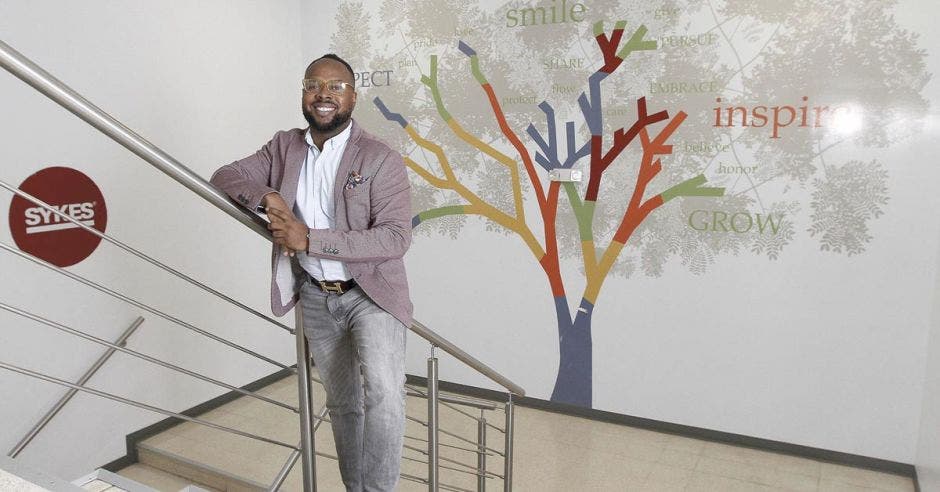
[575, 377]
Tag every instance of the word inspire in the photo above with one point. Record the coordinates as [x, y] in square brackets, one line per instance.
[39, 219]
[778, 116]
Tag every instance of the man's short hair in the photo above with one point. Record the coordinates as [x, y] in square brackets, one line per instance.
[333, 56]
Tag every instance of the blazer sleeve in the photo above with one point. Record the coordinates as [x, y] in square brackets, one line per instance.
[389, 232]
[248, 180]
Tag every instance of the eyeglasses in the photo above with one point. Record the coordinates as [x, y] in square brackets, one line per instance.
[333, 86]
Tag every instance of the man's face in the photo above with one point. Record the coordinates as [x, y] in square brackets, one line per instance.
[324, 110]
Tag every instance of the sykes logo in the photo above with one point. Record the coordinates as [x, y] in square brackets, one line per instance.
[40, 219]
[45, 234]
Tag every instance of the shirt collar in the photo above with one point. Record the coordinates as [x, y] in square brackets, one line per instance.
[332, 143]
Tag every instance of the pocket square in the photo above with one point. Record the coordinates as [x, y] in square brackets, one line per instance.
[354, 179]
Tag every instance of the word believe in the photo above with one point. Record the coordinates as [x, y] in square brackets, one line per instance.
[738, 222]
[556, 14]
[779, 116]
[40, 219]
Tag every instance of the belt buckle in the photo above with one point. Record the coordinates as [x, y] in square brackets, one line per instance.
[335, 288]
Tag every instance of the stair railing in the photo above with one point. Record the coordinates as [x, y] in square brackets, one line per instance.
[45, 83]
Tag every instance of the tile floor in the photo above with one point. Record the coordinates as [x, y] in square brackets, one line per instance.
[553, 453]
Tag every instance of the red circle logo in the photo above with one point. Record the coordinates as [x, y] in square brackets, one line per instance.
[42, 233]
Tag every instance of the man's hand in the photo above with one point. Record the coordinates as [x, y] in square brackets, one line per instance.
[275, 201]
[288, 231]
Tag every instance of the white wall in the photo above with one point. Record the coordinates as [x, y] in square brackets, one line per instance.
[928, 449]
[208, 82]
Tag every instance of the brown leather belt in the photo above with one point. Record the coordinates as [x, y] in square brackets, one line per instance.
[333, 286]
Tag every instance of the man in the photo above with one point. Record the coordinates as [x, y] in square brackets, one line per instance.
[339, 203]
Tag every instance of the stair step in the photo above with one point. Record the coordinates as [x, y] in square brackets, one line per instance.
[162, 480]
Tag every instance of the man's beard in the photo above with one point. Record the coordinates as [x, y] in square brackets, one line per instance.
[339, 119]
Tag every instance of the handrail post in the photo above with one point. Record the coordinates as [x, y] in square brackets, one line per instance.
[481, 452]
[507, 452]
[432, 423]
[305, 402]
[121, 341]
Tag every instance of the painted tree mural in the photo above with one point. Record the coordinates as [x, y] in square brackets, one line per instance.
[482, 117]
[574, 381]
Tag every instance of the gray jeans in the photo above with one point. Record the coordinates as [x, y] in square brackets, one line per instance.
[359, 350]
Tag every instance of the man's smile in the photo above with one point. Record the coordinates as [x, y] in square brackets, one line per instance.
[324, 108]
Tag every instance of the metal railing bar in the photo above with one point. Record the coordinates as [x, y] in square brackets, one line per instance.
[458, 353]
[144, 257]
[474, 451]
[413, 478]
[294, 456]
[423, 481]
[452, 488]
[444, 399]
[451, 434]
[451, 460]
[134, 353]
[48, 416]
[109, 396]
[459, 470]
[447, 400]
[138, 304]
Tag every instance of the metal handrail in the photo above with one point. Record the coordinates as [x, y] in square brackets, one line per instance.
[47, 84]
[139, 254]
[53, 88]
[134, 353]
[138, 304]
[458, 353]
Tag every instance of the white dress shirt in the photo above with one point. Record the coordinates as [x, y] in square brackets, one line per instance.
[315, 205]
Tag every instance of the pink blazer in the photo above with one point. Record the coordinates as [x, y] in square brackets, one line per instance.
[372, 228]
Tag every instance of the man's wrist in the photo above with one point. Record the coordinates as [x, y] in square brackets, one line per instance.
[264, 198]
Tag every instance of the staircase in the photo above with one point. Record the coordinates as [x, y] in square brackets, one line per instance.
[194, 454]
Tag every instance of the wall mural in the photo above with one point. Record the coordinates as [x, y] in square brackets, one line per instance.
[701, 129]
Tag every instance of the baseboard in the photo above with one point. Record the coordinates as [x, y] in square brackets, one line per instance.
[836, 457]
[151, 430]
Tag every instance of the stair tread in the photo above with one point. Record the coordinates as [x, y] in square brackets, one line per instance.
[158, 479]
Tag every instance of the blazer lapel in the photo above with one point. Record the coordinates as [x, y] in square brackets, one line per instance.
[342, 172]
[296, 155]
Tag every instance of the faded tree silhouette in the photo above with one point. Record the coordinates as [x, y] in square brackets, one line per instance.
[481, 118]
